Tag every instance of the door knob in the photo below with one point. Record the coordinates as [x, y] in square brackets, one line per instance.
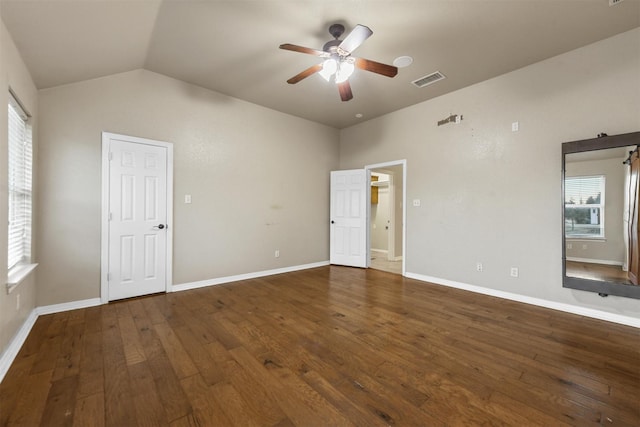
[333, 222]
[159, 226]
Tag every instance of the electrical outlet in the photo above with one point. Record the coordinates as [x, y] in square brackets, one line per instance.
[515, 126]
[187, 198]
[478, 266]
[569, 246]
[514, 272]
[277, 254]
[416, 202]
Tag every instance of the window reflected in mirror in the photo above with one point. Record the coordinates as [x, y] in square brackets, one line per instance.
[600, 215]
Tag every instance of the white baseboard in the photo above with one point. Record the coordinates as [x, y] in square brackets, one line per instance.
[596, 261]
[67, 306]
[16, 343]
[383, 251]
[568, 308]
[247, 276]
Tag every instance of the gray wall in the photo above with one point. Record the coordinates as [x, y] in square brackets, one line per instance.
[14, 75]
[259, 180]
[491, 195]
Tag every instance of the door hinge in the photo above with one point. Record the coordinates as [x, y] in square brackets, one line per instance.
[110, 216]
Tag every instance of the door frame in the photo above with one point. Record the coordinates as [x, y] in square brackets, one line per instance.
[368, 169]
[104, 245]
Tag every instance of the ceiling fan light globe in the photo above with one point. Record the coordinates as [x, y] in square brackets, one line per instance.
[329, 67]
[344, 71]
[324, 75]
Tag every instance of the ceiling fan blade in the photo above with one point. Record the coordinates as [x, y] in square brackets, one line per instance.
[304, 74]
[356, 37]
[302, 49]
[376, 67]
[345, 90]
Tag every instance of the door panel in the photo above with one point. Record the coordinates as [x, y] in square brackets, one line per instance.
[348, 244]
[137, 206]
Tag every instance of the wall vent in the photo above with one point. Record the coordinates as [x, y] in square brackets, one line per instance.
[614, 2]
[429, 79]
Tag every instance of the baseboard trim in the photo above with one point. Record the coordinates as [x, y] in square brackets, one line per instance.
[67, 306]
[568, 308]
[16, 343]
[596, 261]
[247, 276]
[19, 338]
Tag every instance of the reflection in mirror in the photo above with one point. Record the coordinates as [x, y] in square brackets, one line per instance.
[600, 215]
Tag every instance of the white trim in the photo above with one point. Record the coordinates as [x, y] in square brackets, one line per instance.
[247, 276]
[382, 251]
[568, 308]
[596, 261]
[104, 250]
[15, 344]
[17, 275]
[19, 338]
[368, 168]
[68, 306]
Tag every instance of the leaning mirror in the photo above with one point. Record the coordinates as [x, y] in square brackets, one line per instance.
[600, 199]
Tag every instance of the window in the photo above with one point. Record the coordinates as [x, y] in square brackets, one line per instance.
[19, 185]
[584, 207]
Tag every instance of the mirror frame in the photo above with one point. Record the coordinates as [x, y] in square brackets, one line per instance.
[603, 288]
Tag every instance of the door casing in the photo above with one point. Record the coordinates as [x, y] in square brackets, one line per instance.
[104, 249]
[369, 168]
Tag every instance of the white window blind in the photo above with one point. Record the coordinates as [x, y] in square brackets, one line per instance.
[19, 185]
[584, 206]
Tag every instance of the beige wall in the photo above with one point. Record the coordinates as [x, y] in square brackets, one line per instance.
[612, 248]
[259, 180]
[492, 195]
[14, 75]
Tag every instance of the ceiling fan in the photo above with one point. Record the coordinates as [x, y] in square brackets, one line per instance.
[338, 62]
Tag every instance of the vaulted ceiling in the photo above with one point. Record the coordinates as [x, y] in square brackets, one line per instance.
[232, 46]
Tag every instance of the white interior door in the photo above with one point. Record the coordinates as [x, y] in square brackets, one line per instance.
[348, 232]
[137, 217]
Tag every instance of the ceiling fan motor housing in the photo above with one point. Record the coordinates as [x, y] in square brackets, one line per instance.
[331, 46]
[336, 30]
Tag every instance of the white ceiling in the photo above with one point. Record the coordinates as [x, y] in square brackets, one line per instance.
[232, 46]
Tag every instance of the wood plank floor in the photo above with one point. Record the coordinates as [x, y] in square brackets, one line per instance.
[593, 271]
[323, 347]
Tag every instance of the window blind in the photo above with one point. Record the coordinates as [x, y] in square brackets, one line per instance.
[19, 185]
[584, 190]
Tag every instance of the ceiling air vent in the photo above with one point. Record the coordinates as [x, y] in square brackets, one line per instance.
[614, 2]
[429, 79]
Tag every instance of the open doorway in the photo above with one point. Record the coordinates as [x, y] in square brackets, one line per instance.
[386, 248]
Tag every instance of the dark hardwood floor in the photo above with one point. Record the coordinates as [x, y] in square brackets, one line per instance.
[323, 347]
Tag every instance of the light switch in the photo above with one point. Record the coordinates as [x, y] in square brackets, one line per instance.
[187, 198]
